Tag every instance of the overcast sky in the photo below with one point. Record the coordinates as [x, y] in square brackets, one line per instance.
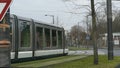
[36, 9]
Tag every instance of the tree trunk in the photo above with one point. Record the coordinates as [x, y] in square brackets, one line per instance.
[94, 35]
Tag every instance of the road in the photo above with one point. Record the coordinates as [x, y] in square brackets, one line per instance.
[90, 52]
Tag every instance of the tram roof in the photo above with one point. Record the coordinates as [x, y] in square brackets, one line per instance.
[36, 21]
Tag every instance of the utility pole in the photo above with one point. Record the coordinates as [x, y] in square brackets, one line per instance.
[78, 39]
[57, 21]
[94, 34]
[87, 36]
[109, 29]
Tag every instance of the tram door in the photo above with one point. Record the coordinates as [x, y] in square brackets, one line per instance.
[39, 38]
[25, 35]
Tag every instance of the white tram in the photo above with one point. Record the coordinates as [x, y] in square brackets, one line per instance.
[35, 39]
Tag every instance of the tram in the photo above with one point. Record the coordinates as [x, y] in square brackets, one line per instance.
[32, 39]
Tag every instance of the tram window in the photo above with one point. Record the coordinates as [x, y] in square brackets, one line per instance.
[60, 39]
[47, 37]
[25, 34]
[54, 38]
[39, 38]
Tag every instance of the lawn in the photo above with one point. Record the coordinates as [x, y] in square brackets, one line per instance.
[77, 48]
[71, 62]
[88, 63]
[46, 62]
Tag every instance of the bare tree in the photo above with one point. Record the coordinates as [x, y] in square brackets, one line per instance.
[94, 33]
[78, 34]
[116, 23]
[101, 14]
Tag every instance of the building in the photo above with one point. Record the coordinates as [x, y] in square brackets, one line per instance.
[116, 40]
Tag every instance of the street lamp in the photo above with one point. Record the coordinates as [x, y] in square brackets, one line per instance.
[78, 39]
[51, 16]
[87, 36]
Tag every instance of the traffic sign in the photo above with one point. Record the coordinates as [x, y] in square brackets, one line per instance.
[87, 37]
[4, 5]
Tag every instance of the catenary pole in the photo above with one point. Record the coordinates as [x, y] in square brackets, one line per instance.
[109, 30]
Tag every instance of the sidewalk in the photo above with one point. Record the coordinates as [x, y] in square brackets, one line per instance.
[47, 63]
[85, 52]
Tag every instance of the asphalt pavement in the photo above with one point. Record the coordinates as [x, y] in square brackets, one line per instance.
[90, 52]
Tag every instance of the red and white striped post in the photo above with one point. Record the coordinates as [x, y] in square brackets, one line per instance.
[5, 48]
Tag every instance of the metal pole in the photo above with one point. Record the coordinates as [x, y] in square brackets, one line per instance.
[53, 19]
[57, 21]
[87, 31]
[78, 35]
[87, 23]
[109, 29]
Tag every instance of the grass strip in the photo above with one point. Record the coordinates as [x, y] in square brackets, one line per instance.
[77, 48]
[88, 63]
[47, 62]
